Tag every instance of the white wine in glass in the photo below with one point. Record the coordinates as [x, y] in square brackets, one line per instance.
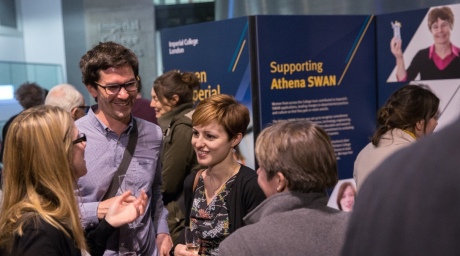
[194, 248]
[192, 241]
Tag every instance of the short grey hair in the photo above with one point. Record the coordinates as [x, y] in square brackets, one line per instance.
[65, 96]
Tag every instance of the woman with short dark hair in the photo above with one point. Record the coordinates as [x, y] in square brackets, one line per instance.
[218, 197]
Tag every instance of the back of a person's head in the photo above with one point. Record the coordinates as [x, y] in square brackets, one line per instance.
[405, 107]
[225, 110]
[64, 96]
[37, 175]
[302, 151]
[30, 95]
[173, 83]
[409, 202]
[37, 145]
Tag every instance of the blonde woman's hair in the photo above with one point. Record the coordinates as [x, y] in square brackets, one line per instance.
[39, 180]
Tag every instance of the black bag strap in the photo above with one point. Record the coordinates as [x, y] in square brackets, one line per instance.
[125, 161]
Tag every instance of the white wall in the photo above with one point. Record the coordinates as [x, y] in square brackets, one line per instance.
[11, 47]
[43, 32]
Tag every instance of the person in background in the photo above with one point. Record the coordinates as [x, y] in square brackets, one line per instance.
[409, 114]
[40, 214]
[409, 204]
[110, 72]
[28, 95]
[297, 166]
[346, 197]
[439, 61]
[172, 99]
[69, 99]
[142, 108]
[218, 197]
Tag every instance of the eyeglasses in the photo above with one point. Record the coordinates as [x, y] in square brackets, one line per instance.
[85, 108]
[81, 138]
[115, 88]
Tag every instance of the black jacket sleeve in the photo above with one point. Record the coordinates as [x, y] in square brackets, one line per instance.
[97, 238]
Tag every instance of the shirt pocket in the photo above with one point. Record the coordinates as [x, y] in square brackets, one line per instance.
[144, 172]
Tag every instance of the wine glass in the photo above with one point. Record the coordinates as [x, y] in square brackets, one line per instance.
[131, 182]
[130, 245]
[192, 241]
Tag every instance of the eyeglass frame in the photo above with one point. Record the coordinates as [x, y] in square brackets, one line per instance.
[81, 138]
[136, 82]
[85, 108]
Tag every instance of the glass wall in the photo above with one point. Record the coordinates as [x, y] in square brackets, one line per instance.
[13, 74]
[16, 73]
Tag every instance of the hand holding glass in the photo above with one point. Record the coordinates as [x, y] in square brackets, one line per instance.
[192, 241]
[131, 182]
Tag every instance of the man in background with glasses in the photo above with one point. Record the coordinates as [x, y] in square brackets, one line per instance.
[67, 97]
[110, 73]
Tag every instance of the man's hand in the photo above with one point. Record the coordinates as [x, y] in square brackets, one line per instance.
[123, 211]
[164, 244]
[103, 207]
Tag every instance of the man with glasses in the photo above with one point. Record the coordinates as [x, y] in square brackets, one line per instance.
[110, 73]
[67, 97]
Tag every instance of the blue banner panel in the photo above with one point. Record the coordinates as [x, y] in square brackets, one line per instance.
[320, 68]
[219, 53]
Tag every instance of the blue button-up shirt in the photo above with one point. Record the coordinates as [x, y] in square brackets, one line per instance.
[103, 154]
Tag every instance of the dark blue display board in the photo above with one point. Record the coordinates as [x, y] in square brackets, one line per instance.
[320, 68]
[219, 53]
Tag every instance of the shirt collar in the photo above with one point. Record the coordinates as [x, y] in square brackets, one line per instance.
[100, 126]
[455, 51]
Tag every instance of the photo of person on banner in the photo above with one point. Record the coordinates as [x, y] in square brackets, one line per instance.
[346, 197]
[343, 195]
[441, 60]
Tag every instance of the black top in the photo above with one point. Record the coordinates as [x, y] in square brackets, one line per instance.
[428, 70]
[41, 238]
[244, 196]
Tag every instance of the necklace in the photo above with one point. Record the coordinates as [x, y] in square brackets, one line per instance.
[410, 133]
[215, 189]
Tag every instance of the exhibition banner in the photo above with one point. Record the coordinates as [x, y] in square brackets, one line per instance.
[335, 70]
[218, 52]
[323, 69]
[419, 32]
